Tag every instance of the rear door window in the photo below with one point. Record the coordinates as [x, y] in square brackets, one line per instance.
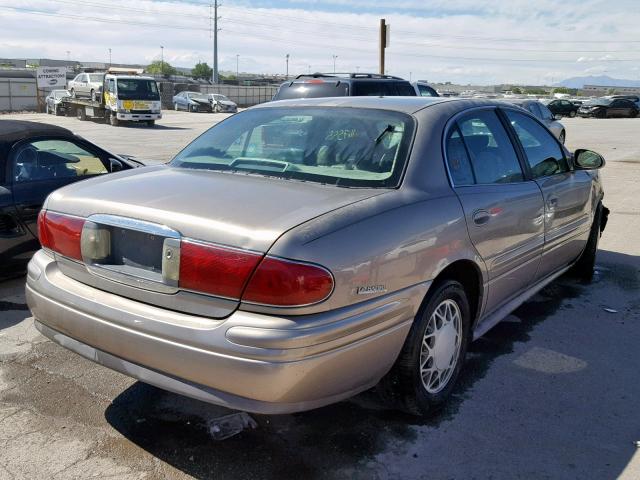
[493, 158]
[543, 152]
[372, 89]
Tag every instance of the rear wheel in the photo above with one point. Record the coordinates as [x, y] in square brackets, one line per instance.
[427, 369]
[572, 113]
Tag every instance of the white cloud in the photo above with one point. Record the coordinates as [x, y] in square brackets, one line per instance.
[465, 41]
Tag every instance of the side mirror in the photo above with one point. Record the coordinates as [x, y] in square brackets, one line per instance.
[587, 160]
[115, 165]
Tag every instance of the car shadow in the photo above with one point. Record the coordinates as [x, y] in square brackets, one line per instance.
[348, 436]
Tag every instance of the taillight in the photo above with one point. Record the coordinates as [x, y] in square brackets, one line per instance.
[215, 269]
[60, 233]
[286, 283]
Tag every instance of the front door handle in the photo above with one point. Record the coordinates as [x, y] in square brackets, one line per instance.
[481, 217]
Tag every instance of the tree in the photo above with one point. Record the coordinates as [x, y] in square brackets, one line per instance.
[202, 70]
[162, 68]
[516, 90]
[561, 90]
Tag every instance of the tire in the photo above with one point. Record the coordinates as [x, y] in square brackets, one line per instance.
[113, 120]
[151, 123]
[601, 114]
[175, 107]
[585, 266]
[562, 137]
[413, 388]
[572, 113]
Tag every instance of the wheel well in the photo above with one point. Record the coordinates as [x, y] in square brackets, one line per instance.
[468, 274]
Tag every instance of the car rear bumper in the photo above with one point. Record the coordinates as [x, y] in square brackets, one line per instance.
[248, 361]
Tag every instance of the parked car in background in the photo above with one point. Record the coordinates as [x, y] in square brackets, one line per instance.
[87, 85]
[423, 89]
[562, 107]
[609, 107]
[542, 113]
[344, 85]
[54, 104]
[303, 251]
[220, 103]
[634, 98]
[35, 160]
[192, 102]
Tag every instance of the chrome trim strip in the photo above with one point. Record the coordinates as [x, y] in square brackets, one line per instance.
[134, 224]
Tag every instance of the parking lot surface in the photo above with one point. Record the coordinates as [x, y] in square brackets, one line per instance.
[551, 392]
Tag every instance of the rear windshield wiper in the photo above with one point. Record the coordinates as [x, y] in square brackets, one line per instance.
[387, 129]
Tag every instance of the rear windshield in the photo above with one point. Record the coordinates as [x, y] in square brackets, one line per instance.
[312, 90]
[137, 89]
[598, 101]
[339, 146]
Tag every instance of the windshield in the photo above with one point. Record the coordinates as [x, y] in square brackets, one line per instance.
[198, 96]
[339, 146]
[137, 89]
[220, 98]
[61, 94]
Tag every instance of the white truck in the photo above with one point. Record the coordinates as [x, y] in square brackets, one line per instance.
[127, 96]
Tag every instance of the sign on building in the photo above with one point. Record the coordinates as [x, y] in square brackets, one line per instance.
[51, 77]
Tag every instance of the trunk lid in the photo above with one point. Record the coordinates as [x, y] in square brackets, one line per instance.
[148, 210]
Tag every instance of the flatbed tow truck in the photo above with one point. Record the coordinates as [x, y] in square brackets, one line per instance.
[126, 96]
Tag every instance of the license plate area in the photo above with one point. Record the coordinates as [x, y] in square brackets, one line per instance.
[141, 254]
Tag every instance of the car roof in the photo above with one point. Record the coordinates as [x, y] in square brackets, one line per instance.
[12, 130]
[407, 105]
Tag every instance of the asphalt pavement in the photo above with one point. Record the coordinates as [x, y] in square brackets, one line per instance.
[551, 392]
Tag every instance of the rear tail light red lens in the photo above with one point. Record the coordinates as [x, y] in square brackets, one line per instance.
[286, 283]
[60, 233]
[215, 269]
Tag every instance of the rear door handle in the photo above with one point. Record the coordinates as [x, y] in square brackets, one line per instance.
[481, 217]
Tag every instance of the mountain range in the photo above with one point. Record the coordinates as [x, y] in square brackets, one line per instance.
[601, 80]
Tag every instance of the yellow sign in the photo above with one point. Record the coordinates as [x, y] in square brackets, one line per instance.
[135, 105]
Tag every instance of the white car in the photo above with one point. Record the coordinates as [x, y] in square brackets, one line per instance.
[87, 85]
[220, 103]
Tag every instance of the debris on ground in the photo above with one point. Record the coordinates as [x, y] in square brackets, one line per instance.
[610, 310]
[225, 427]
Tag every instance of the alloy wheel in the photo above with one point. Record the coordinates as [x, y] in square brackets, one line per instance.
[441, 346]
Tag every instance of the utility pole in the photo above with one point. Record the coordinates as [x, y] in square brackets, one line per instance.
[287, 58]
[237, 71]
[161, 60]
[383, 43]
[109, 58]
[214, 20]
[334, 63]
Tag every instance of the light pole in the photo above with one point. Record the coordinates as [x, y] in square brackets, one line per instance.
[334, 63]
[237, 70]
[161, 60]
[287, 58]
[109, 58]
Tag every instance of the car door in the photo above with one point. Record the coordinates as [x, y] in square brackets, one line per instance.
[503, 210]
[620, 108]
[16, 241]
[567, 193]
[39, 166]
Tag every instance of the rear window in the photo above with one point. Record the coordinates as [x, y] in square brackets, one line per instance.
[312, 90]
[369, 88]
[339, 146]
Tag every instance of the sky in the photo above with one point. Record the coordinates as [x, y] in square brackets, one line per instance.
[528, 42]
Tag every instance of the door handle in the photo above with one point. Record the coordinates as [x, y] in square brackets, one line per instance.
[481, 217]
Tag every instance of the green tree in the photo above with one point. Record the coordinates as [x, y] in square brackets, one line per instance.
[202, 70]
[162, 68]
[516, 90]
[561, 90]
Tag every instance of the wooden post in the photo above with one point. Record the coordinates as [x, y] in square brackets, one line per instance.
[39, 108]
[383, 43]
